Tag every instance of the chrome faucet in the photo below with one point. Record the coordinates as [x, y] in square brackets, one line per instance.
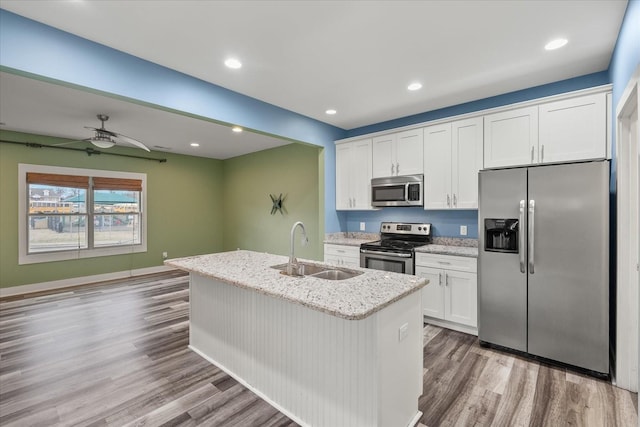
[292, 267]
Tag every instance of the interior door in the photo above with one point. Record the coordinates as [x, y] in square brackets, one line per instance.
[569, 264]
[502, 285]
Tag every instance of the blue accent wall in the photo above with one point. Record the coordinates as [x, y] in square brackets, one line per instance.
[445, 223]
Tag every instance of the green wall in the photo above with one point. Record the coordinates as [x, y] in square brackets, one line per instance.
[183, 197]
[292, 170]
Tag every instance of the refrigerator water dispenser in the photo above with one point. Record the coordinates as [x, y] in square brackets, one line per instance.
[501, 235]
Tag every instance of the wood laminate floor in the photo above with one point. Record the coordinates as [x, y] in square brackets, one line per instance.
[116, 354]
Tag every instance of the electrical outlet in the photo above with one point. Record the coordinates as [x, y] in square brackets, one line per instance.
[362, 226]
[403, 332]
[165, 255]
[463, 230]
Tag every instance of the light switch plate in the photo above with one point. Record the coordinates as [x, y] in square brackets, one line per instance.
[362, 226]
[463, 230]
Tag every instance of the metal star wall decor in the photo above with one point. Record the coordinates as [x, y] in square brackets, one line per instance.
[277, 204]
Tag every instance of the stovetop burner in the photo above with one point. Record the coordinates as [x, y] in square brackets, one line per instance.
[401, 237]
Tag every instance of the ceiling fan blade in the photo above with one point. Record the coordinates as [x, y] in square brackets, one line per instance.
[73, 141]
[131, 141]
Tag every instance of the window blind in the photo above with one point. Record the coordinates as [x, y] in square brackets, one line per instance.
[74, 181]
[101, 183]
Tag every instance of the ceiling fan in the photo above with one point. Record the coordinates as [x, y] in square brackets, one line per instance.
[104, 138]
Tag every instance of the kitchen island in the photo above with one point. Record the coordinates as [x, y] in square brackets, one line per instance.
[323, 352]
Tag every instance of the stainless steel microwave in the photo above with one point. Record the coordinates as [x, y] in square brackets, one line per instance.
[397, 191]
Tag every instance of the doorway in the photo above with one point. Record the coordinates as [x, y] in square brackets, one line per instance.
[628, 228]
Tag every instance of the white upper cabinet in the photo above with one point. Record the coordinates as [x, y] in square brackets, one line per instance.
[466, 161]
[560, 131]
[573, 129]
[353, 175]
[511, 138]
[397, 154]
[452, 159]
[437, 167]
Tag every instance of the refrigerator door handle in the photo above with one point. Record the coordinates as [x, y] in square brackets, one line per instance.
[532, 211]
[521, 238]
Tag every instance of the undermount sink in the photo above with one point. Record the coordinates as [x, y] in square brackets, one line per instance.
[320, 271]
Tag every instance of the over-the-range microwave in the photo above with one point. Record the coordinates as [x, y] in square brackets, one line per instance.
[397, 191]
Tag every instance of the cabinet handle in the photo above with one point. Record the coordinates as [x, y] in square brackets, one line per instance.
[392, 166]
[448, 200]
[446, 279]
[455, 201]
[532, 154]
[542, 154]
[444, 262]
[354, 202]
[440, 279]
[398, 168]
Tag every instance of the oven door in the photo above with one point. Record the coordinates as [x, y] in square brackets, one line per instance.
[387, 261]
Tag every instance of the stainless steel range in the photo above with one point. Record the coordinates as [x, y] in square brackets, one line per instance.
[395, 249]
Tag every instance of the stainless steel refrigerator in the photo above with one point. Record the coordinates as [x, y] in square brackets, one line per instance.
[543, 262]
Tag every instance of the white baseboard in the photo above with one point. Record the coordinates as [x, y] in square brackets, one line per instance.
[75, 281]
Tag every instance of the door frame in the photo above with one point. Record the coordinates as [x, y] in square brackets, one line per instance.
[628, 244]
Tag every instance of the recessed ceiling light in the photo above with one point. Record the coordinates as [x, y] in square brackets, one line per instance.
[236, 129]
[414, 86]
[556, 44]
[331, 112]
[195, 144]
[233, 63]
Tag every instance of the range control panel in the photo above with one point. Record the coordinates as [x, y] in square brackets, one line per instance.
[405, 228]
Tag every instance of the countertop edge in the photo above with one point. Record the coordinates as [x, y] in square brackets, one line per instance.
[420, 283]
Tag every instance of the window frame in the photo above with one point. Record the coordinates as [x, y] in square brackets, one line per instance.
[23, 216]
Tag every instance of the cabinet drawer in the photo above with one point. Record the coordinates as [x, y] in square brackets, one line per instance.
[448, 262]
[342, 251]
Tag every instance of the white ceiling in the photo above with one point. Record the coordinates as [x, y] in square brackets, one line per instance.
[355, 56]
[33, 106]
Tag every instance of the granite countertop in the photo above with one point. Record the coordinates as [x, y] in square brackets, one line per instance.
[441, 245]
[448, 250]
[353, 299]
[350, 238]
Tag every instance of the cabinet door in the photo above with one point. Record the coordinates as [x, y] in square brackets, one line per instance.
[433, 293]
[461, 297]
[511, 138]
[360, 166]
[383, 157]
[409, 149]
[331, 259]
[437, 167]
[466, 154]
[343, 186]
[573, 129]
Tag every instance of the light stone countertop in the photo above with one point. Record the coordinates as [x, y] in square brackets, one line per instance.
[353, 299]
[350, 238]
[448, 250]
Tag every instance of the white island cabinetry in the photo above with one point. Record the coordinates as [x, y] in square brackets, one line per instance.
[323, 352]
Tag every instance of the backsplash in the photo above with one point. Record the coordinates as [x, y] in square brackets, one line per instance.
[445, 223]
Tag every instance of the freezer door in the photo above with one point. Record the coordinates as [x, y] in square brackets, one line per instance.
[502, 279]
[569, 281]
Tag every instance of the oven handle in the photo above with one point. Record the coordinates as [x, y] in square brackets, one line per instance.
[391, 254]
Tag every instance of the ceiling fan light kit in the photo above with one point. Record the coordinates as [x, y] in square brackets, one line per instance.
[104, 138]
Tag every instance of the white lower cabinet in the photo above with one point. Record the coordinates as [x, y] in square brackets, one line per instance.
[342, 255]
[451, 297]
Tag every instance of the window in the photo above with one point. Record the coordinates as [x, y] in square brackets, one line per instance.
[68, 213]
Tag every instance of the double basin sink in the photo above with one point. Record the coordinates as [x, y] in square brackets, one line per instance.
[319, 271]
